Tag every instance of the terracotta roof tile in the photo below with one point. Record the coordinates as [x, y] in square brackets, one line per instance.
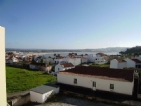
[106, 73]
[67, 64]
[121, 60]
[102, 54]
[136, 60]
[60, 57]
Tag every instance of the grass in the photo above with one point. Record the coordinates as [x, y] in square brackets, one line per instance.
[101, 65]
[22, 79]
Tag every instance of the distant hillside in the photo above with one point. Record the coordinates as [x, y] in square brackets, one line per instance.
[109, 49]
[133, 50]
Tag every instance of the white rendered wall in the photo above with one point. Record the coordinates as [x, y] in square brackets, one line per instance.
[114, 64]
[122, 65]
[74, 61]
[47, 95]
[130, 63]
[36, 97]
[84, 60]
[41, 98]
[101, 84]
[91, 58]
[58, 66]
[3, 98]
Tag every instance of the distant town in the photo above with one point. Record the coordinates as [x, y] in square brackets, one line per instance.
[93, 74]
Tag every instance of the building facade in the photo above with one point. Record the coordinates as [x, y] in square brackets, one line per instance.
[94, 78]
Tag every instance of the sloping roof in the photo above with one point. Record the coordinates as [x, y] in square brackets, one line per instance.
[44, 88]
[67, 65]
[136, 60]
[102, 54]
[120, 60]
[106, 73]
[60, 57]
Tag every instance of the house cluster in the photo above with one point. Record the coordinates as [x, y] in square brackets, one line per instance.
[91, 79]
[72, 60]
[95, 79]
[134, 62]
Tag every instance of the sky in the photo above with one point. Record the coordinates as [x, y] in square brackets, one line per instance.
[71, 24]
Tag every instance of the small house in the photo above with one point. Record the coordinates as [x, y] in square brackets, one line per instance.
[63, 67]
[41, 93]
[118, 64]
[118, 81]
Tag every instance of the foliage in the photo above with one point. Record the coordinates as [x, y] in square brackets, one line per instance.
[107, 65]
[134, 50]
[21, 79]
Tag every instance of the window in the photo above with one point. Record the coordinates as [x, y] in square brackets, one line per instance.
[94, 84]
[136, 66]
[58, 69]
[111, 86]
[75, 81]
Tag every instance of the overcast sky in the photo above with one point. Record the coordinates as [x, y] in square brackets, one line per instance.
[71, 24]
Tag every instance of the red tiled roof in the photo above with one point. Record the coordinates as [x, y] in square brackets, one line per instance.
[121, 60]
[60, 57]
[67, 64]
[106, 73]
[136, 60]
[102, 54]
[72, 53]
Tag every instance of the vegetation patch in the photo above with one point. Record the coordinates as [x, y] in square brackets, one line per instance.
[107, 65]
[18, 79]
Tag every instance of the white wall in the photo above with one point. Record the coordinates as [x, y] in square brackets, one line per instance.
[61, 68]
[58, 66]
[122, 65]
[130, 63]
[74, 61]
[90, 58]
[47, 95]
[35, 97]
[84, 60]
[101, 84]
[48, 60]
[15, 59]
[114, 64]
[41, 98]
[3, 98]
[58, 60]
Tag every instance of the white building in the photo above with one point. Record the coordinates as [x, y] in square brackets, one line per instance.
[63, 67]
[100, 58]
[12, 59]
[48, 60]
[58, 59]
[41, 93]
[139, 57]
[135, 63]
[74, 60]
[84, 60]
[118, 64]
[90, 58]
[102, 79]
